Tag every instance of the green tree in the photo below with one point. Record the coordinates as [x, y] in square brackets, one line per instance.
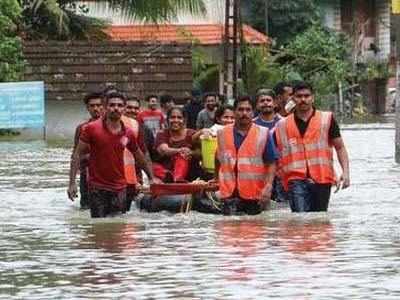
[64, 19]
[286, 18]
[320, 57]
[11, 61]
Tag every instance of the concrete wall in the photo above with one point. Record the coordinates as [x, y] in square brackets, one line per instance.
[62, 117]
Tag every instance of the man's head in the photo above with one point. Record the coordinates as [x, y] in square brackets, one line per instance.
[114, 103]
[283, 92]
[94, 104]
[132, 107]
[303, 95]
[243, 107]
[166, 102]
[265, 101]
[152, 102]
[210, 101]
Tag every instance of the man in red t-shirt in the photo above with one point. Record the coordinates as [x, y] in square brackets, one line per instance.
[105, 140]
[152, 117]
[94, 106]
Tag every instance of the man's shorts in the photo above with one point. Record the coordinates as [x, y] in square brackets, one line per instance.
[104, 203]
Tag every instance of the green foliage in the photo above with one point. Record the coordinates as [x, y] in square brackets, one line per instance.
[320, 57]
[11, 61]
[317, 56]
[205, 76]
[261, 69]
[65, 19]
[286, 18]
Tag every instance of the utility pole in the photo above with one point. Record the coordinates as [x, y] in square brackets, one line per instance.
[231, 46]
[266, 11]
[396, 23]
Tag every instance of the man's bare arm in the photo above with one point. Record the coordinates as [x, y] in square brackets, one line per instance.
[343, 161]
[81, 149]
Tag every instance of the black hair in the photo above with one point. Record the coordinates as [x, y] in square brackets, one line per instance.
[178, 108]
[265, 92]
[109, 89]
[115, 95]
[279, 89]
[210, 94]
[302, 85]
[90, 96]
[221, 110]
[164, 99]
[241, 99]
[133, 98]
[148, 97]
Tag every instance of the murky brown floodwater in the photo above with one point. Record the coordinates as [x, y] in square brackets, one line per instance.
[49, 249]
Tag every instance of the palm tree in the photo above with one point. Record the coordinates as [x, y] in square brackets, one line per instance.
[65, 19]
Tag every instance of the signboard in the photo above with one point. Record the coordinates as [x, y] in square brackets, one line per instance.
[22, 104]
[395, 7]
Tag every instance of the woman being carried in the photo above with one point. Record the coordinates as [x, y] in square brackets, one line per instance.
[176, 151]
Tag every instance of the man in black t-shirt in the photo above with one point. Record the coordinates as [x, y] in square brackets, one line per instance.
[306, 140]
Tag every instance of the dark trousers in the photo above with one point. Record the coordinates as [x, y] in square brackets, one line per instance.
[104, 203]
[306, 196]
[83, 189]
[238, 206]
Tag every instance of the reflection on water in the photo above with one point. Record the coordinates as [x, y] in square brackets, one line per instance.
[49, 249]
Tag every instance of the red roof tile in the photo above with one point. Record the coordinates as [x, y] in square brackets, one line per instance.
[204, 34]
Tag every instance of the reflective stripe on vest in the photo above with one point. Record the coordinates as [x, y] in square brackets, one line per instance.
[311, 152]
[243, 169]
[129, 159]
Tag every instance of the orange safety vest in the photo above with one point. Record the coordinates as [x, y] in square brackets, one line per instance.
[307, 156]
[129, 159]
[243, 169]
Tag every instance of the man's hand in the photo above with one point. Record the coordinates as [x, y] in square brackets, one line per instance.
[343, 182]
[72, 191]
[155, 180]
[266, 194]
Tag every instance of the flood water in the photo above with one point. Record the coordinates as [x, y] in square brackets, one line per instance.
[49, 249]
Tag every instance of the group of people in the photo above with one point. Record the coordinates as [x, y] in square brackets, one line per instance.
[263, 152]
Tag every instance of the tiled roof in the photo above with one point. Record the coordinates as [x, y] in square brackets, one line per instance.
[203, 34]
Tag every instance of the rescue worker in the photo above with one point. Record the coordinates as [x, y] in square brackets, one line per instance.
[267, 106]
[132, 171]
[283, 93]
[105, 140]
[94, 106]
[305, 140]
[245, 164]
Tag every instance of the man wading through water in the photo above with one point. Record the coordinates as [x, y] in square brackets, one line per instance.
[105, 140]
[245, 164]
[94, 106]
[305, 141]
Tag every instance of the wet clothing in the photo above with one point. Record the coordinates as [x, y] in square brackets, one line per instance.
[83, 168]
[178, 166]
[270, 153]
[307, 159]
[244, 161]
[278, 192]
[205, 119]
[83, 188]
[238, 206]
[152, 119]
[269, 124]
[104, 203]
[334, 130]
[106, 163]
[306, 196]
